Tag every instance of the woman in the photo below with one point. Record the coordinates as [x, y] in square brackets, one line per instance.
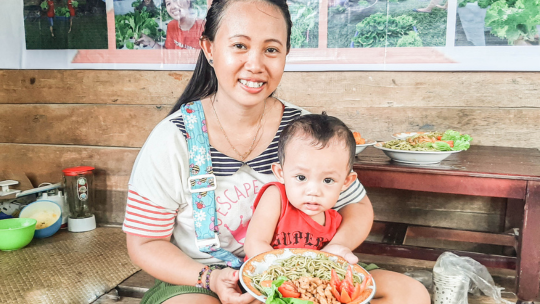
[183, 32]
[244, 45]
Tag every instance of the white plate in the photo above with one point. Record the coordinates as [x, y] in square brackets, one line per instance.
[261, 262]
[404, 135]
[415, 157]
[369, 142]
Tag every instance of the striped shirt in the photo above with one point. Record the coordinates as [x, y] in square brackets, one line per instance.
[159, 202]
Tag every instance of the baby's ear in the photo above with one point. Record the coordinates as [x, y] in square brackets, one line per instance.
[278, 172]
[349, 180]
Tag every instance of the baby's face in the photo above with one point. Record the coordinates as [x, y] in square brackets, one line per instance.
[314, 177]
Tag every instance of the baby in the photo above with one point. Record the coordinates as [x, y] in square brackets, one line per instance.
[316, 154]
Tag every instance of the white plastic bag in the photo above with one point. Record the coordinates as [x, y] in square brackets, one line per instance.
[455, 276]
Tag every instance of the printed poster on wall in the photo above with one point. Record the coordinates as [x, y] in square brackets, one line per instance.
[423, 35]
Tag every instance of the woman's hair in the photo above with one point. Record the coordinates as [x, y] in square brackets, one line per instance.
[203, 82]
[321, 129]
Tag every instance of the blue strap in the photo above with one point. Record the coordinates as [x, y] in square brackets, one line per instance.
[202, 183]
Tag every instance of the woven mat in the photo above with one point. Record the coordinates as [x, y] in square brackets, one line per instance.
[65, 268]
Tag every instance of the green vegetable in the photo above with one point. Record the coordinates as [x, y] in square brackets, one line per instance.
[62, 12]
[410, 40]
[461, 141]
[275, 297]
[380, 30]
[132, 26]
[44, 5]
[304, 17]
[514, 21]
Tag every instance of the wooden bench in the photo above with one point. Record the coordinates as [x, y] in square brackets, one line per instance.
[512, 173]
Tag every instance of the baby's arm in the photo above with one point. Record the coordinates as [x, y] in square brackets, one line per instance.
[263, 223]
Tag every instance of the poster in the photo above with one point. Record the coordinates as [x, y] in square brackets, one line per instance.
[412, 35]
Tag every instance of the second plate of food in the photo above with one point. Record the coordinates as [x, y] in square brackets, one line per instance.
[305, 267]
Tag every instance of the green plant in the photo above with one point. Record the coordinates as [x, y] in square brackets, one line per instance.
[136, 3]
[44, 5]
[74, 3]
[363, 3]
[132, 26]
[303, 17]
[62, 12]
[379, 30]
[513, 22]
[338, 9]
[410, 40]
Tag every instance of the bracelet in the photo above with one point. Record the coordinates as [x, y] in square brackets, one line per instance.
[199, 279]
[209, 271]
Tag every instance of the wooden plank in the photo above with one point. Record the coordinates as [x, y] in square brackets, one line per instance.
[514, 214]
[483, 124]
[454, 245]
[436, 201]
[461, 236]
[92, 87]
[529, 246]
[113, 297]
[362, 89]
[95, 125]
[44, 163]
[124, 125]
[431, 254]
[323, 24]
[465, 185]
[136, 285]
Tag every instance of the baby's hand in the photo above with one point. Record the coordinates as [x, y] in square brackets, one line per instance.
[342, 251]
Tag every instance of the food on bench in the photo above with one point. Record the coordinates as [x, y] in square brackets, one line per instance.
[432, 141]
[358, 138]
[319, 279]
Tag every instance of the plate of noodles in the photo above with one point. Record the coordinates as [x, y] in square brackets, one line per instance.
[306, 274]
[425, 147]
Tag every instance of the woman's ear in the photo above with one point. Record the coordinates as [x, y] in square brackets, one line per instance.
[207, 47]
[349, 180]
[278, 172]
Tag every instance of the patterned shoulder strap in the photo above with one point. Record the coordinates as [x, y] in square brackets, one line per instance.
[202, 183]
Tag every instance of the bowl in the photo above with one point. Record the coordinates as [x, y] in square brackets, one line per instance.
[415, 157]
[48, 215]
[261, 262]
[15, 233]
[404, 135]
[360, 148]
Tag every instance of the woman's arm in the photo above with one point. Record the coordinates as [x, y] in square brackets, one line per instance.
[354, 229]
[166, 262]
[162, 259]
[263, 223]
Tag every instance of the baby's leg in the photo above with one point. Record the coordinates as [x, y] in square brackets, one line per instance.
[393, 287]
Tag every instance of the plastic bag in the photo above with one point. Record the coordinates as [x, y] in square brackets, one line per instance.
[423, 276]
[455, 276]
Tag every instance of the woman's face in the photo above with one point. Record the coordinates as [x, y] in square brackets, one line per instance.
[177, 9]
[249, 52]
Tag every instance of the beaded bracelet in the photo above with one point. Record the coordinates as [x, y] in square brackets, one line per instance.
[199, 279]
[209, 271]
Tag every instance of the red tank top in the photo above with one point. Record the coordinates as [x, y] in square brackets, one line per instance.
[295, 229]
[50, 12]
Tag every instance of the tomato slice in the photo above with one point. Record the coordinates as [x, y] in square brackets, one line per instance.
[288, 290]
[450, 142]
[348, 280]
[335, 281]
[345, 298]
[357, 292]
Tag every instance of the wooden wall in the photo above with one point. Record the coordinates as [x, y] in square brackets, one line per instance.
[50, 120]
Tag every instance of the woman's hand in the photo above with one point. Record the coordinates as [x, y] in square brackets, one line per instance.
[224, 282]
[146, 41]
[342, 251]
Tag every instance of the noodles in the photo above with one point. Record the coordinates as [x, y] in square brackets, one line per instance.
[299, 266]
[419, 142]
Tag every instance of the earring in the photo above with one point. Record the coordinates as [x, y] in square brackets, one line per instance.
[211, 62]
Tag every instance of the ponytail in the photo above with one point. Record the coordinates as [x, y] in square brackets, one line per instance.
[203, 83]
